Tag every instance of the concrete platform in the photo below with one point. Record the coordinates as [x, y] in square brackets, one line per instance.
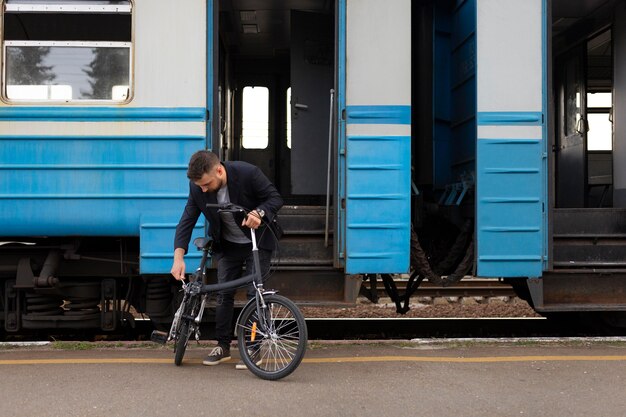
[456, 378]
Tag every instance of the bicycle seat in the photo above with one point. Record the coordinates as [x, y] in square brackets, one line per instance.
[203, 242]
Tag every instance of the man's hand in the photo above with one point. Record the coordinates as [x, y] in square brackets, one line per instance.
[252, 220]
[178, 269]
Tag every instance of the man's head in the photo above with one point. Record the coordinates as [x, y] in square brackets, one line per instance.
[206, 171]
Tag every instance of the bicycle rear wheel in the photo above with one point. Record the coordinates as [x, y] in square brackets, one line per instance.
[274, 350]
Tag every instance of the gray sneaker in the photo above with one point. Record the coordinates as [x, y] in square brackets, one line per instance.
[218, 355]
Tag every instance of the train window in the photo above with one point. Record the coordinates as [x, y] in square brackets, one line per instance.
[289, 118]
[67, 51]
[599, 100]
[600, 134]
[255, 118]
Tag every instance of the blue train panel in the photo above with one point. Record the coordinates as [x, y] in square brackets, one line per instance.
[509, 218]
[90, 185]
[156, 237]
[378, 204]
[511, 192]
[374, 160]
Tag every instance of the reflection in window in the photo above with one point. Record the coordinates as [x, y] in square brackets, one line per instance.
[255, 118]
[67, 72]
[289, 117]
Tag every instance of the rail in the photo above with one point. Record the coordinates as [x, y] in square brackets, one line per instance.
[401, 289]
[474, 287]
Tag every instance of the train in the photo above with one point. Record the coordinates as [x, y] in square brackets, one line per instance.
[429, 139]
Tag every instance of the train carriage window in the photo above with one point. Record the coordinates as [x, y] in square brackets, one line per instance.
[66, 51]
[600, 134]
[289, 117]
[255, 118]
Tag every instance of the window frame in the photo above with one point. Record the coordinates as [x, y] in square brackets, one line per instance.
[66, 7]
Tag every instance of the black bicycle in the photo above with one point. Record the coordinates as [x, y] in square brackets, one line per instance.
[271, 331]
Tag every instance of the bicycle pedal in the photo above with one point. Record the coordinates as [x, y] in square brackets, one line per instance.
[159, 337]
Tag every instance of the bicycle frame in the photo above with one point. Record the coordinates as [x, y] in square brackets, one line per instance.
[193, 288]
[274, 319]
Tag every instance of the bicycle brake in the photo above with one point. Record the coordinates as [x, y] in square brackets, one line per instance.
[195, 288]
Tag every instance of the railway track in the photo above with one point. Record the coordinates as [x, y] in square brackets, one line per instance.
[399, 328]
[328, 327]
[411, 328]
[470, 287]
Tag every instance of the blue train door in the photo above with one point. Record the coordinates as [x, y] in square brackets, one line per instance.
[511, 137]
[374, 154]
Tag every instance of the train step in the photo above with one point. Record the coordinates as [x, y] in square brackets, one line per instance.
[303, 241]
[308, 220]
[589, 238]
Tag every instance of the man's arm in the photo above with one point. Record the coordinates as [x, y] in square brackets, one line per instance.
[178, 268]
[183, 234]
[267, 194]
[270, 198]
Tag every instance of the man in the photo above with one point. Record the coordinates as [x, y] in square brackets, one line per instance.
[243, 184]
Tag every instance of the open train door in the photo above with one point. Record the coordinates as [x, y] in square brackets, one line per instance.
[571, 148]
[511, 137]
[312, 65]
[374, 153]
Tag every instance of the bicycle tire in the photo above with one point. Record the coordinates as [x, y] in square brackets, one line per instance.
[182, 338]
[181, 342]
[276, 352]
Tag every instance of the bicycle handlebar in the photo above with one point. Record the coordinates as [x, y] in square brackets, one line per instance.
[227, 207]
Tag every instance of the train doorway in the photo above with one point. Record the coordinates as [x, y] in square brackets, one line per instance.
[584, 136]
[588, 45]
[276, 71]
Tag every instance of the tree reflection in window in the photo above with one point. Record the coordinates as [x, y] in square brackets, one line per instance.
[109, 68]
[26, 67]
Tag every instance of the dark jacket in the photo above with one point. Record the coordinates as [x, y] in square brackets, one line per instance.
[247, 187]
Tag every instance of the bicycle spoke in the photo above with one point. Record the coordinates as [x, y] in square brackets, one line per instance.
[280, 352]
[248, 329]
[284, 355]
[280, 338]
[283, 323]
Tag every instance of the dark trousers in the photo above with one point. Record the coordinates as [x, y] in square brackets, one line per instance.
[229, 267]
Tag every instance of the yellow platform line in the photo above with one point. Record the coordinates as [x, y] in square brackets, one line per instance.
[476, 359]
[360, 359]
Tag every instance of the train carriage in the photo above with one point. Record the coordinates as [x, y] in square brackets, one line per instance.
[481, 135]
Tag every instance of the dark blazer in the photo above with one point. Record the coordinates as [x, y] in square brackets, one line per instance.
[247, 187]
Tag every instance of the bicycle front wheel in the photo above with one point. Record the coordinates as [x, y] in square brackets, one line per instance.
[185, 328]
[181, 342]
[273, 347]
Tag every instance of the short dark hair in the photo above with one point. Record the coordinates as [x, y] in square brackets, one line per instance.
[201, 162]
